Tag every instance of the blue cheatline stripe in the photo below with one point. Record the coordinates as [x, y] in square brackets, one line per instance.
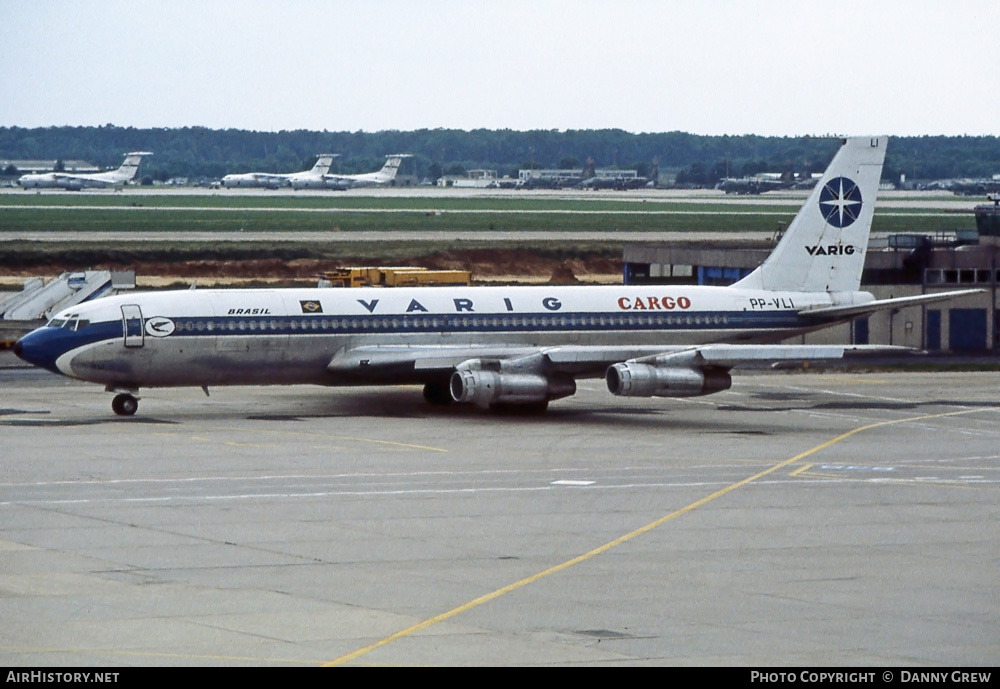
[327, 324]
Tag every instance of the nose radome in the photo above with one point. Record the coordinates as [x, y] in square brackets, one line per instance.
[18, 348]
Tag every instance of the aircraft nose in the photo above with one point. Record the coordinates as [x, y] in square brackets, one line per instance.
[42, 347]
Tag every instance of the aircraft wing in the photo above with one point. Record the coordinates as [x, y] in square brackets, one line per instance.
[420, 357]
[581, 360]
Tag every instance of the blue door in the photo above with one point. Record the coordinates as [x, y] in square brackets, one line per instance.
[861, 331]
[967, 330]
[933, 330]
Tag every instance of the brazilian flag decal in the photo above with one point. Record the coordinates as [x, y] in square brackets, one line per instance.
[311, 307]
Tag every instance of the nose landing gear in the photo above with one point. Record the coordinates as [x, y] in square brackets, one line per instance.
[125, 404]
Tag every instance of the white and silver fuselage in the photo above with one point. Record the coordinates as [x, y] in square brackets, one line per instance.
[348, 336]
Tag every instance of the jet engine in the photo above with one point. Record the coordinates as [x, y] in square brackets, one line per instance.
[643, 380]
[485, 384]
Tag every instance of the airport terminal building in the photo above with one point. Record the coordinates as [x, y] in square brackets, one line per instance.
[895, 266]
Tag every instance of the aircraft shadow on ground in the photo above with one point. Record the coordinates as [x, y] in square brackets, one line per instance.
[409, 404]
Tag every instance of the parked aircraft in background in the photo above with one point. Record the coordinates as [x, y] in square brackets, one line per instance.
[766, 181]
[313, 179]
[369, 179]
[589, 178]
[308, 179]
[494, 346]
[77, 181]
[621, 180]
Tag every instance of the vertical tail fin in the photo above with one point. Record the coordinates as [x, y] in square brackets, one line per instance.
[388, 171]
[130, 167]
[824, 248]
[323, 163]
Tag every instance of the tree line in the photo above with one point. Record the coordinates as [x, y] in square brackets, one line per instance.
[198, 152]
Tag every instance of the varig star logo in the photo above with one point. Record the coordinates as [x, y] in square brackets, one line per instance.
[840, 202]
[311, 307]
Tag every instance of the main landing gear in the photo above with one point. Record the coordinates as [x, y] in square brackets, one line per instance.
[125, 404]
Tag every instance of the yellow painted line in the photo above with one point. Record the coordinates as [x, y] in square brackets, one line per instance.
[623, 539]
[804, 467]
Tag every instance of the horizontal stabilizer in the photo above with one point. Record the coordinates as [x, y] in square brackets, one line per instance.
[856, 310]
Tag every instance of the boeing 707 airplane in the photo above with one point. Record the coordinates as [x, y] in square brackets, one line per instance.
[493, 346]
[77, 181]
[308, 179]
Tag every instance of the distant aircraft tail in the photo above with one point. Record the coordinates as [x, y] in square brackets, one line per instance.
[130, 168]
[323, 163]
[824, 248]
[388, 171]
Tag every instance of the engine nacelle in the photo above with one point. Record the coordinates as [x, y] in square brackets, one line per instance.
[484, 387]
[644, 380]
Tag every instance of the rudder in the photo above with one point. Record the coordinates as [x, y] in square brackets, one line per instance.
[824, 248]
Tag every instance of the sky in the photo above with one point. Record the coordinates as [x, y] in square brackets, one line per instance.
[767, 67]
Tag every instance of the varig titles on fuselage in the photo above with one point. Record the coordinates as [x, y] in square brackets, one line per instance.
[466, 305]
[461, 305]
[653, 303]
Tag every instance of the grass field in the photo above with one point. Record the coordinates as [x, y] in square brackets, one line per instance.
[167, 213]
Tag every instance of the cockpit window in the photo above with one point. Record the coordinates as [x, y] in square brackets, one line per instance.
[71, 322]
